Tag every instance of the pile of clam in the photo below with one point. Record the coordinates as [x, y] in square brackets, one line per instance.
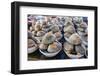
[52, 34]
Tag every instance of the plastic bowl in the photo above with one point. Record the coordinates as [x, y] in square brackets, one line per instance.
[32, 49]
[72, 56]
[47, 54]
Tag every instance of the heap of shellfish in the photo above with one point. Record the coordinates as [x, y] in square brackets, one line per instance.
[47, 31]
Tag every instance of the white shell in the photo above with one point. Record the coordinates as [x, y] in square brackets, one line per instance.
[68, 46]
[69, 29]
[48, 38]
[58, 47]
[80, 49]
[43, 46]
[75, 39]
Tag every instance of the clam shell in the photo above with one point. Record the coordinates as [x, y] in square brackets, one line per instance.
[48, 38]
[54, 47]
[75, 39]
[69, 29]
[83, 25]
[67, 35]
[80, 49]
[77, 20]
[39, 39]
[40, 33]
[33, 48]
[58, 35]
[54, 28]
[68, 19]
[72, 56]
[43, 46]
[68, 23]
[34, 33]
[68, 46]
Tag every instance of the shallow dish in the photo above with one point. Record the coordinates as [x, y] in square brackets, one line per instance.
[47, 54]
[73, 56]
[32, 49]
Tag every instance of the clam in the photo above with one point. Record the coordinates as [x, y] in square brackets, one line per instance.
[67, 35]
[68, 47]
[37, 27]
[54, 47]
[69, 29]
[43, 46]
[34, 33]
[80, 50]
[77, 20]
[58, 35]
[32, 46]
[68, 24]
[40, 33]
[75, 39]
[68, 19]
[48, 38]
[54, 28]
[83, 25]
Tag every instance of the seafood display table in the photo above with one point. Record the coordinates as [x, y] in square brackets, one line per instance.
[57, 37]
[38, 56]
